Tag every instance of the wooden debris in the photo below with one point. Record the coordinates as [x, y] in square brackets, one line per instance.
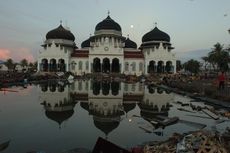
[211, 114]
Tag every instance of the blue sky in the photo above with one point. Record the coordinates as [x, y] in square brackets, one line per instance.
[194, 25]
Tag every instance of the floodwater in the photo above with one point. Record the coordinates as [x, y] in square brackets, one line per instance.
[57, 116]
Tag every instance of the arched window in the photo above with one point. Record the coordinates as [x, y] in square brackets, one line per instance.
[126, 66]
[73, 65]
[140, 66]
[133, 87]
[87, 65]
[79, 85]
[80, 65]
[133, 66]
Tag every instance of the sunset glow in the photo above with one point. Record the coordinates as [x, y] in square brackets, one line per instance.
[16, 54]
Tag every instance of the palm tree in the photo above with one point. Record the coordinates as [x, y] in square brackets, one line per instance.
[9, 63]
[219, 57]
[24, 62]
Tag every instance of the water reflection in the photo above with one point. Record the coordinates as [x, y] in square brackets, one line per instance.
[107, 102]
[58, 105]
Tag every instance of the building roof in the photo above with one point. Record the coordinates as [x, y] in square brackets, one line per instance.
[85, 43]
[130, 44]
[156, 35]
[108, 24]
[80, 53]
[133, 54]
[60, 33]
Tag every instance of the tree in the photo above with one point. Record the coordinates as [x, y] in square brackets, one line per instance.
[205, 59]
[24, 62]
[219, 57]
[192, 66]
[9, 63]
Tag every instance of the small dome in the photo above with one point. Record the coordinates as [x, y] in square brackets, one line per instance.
[85, 43]
[108, 24]
[130, 44]
[156, 35]
[60, 33]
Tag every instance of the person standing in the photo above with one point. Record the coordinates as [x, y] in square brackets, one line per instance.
[221, 79]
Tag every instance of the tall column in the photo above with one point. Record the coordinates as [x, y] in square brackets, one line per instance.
[110, 66]
[38, 66]
[67, 66]
[146, 67]
[101, 67]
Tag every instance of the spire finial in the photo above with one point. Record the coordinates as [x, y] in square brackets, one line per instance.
[108, 12]
[155, 24]
[61, 22]
[127, 35]
[90, 35]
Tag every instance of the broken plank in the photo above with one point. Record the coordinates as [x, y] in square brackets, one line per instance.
[211, 114]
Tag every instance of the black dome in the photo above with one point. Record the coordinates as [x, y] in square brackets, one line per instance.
[85, 43]
[128, 107]
[108, 24]
[156, 35]
[106, 127]
[59, 117]
[60, 33]
[130, 44]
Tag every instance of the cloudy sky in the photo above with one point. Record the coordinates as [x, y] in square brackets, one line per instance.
[194, 25]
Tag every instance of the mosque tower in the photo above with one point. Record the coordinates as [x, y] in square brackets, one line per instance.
[57, 49]
[157, 48]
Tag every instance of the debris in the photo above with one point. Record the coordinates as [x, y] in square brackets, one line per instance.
[145, 129]
[169, 121]
[185, 110]
[211, 114]
[199, 141]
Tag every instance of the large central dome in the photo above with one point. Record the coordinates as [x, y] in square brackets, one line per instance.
[156, 35]
[108, 24]
[60, 33]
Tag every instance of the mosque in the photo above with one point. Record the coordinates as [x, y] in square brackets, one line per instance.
[107, 51]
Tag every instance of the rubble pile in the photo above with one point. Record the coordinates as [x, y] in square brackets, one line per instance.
[196, 142]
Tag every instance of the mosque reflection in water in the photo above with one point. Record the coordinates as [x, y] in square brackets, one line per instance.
[107, 102]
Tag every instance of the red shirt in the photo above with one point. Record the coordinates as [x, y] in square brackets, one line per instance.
[221, 77]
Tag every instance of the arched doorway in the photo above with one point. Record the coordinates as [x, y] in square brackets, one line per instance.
[44, 65]
[53, 65]
[115, 65]
[105, 88]
[151, 67]
[105, 65]
[160, 67]
[115, 88]
[44, 87]
[61, 65]
[96, 65]
[168, 67]
[96, 87]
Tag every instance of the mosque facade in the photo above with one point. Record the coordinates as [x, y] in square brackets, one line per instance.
[107, 51]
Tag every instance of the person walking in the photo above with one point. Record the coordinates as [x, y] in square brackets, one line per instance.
[221, 79]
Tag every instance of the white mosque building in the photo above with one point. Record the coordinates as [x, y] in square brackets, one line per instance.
[107, 51]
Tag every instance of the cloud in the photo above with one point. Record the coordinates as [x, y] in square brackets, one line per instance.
[4, 54]
[17, 54]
